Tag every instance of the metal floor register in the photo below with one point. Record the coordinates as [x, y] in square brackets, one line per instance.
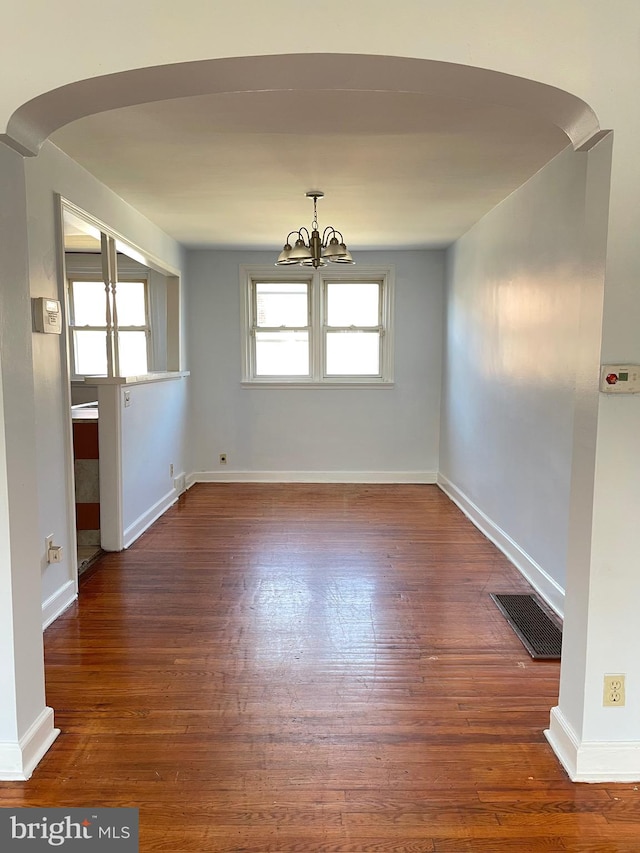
[538, 631]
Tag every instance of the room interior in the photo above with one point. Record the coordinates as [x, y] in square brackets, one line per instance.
[504, 206]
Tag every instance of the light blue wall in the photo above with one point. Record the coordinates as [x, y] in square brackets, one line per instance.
[512, 357]
[394, 431]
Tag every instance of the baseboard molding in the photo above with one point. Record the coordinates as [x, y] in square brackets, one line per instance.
[58, 603]
[610, 761]
[19, 760]
[143, 522]
[564, 742]
[542, 582]
[425, 477]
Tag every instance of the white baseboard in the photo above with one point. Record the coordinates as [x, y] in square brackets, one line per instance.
[311, 477]
[143, 522]
[58, 603]
[19, 760]
[542, 582]
[602, 761]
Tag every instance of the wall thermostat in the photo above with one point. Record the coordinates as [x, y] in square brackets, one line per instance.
[47, 316]
[620, 378]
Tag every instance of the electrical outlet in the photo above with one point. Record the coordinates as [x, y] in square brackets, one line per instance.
[55, 554]
[613, 691]
[171, 470]
[223, 458]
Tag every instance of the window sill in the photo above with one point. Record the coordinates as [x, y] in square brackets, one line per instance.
[318, 386]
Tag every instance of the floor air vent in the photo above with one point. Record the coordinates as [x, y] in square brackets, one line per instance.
[539, 633]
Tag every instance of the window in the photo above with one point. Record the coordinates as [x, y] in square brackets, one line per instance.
[281, 331]
[317, 328]
[91, 318]
[353, 328]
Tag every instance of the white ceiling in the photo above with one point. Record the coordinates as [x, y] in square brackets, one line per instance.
[399, 170]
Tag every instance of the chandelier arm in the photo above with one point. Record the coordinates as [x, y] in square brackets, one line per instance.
[328, 232]
[290, 233]
[306, 232]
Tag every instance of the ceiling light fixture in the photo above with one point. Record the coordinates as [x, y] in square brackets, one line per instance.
[312, 250]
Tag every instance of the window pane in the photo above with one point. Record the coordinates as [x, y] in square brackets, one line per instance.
[132, 351]
[89, 303]
[282, 354]
[282, 304]
[353, 354]
[353, 304]
[90, 351]
[130, 303]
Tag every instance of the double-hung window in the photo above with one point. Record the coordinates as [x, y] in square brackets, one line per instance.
[92, 310]
[317, 328]
[353, 329]
[281, 328]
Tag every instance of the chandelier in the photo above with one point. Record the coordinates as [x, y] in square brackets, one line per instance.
[311, 250]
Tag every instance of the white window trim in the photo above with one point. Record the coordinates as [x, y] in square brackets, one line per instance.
[317, 280]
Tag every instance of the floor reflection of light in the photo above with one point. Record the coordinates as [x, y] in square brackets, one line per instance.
[349, 617]
[282, 607]
[311, 614]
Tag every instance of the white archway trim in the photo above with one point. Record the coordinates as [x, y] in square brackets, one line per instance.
[36, 120]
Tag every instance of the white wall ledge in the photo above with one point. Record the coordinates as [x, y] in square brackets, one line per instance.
[137, 380]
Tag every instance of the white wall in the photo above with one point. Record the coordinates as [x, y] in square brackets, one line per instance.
[26, 725]
[153, 439]
[340, 434]
[558, 43]
[513, 357]
[50, 173]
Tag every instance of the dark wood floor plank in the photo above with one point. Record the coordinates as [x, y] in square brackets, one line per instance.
[313, 669]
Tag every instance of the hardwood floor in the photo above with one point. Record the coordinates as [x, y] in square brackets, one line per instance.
[313, 669]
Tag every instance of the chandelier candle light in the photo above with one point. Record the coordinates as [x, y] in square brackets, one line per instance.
[315, 251]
